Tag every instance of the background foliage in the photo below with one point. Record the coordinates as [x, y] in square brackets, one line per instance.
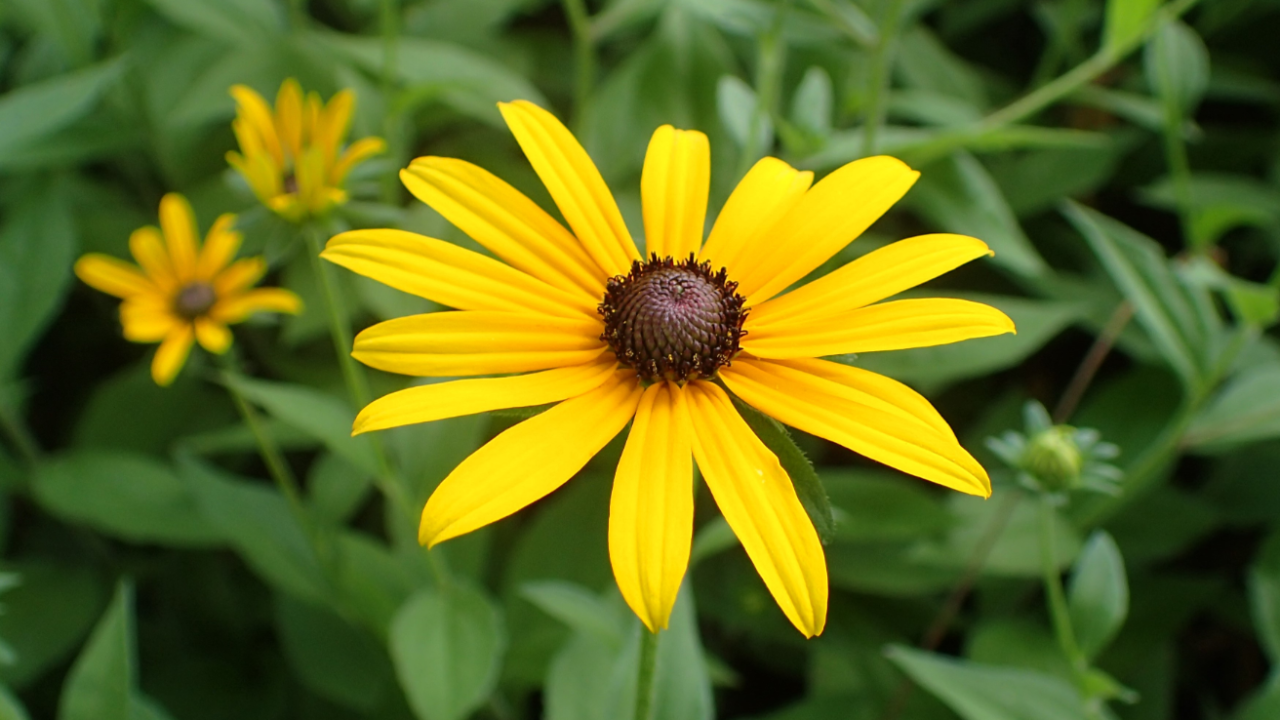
[1123, 163]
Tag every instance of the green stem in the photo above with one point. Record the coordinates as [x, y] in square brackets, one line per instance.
[1053, 591]
[768, 86]
[644, 680]
[27, 447]
[878, 80]
[390, 23]
[386, 478]
[1175, 153]
[267, 448]
[339, 327]
[1046, 95]
[584, 58]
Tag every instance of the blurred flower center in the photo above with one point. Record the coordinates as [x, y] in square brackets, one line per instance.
[194, 300]
[673, 320]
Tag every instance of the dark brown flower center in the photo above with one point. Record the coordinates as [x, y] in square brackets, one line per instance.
[673, 320]
[194, 300]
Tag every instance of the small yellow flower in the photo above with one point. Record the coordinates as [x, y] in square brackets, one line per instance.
[182, 292]
[661, 343]
[291, 157]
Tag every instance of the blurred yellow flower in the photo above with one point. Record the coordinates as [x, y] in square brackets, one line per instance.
[290, 157]
[660, 343]
[183, 292]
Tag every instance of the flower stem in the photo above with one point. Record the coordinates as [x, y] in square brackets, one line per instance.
[28, 449]
[387, 479]
[644, 680]
[878, 85]
[584, 58]
[267, 448]
[1092, 362]
[1053, 591]
[390, 24]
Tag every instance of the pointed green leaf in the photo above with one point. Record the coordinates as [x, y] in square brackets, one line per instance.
[1098, 597]
[1177, 66]
[101, 681]
[37, 110]
[988, 692]
[1126, 20]
[447, 644]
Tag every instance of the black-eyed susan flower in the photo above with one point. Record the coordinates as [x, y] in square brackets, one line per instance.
[292, 157]
[583, 320]
[183, 293]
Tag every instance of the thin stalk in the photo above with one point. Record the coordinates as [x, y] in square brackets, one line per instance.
[768, 86]
[878, 80]
[21, 439]
[1053, 591]
[277, 467]
[1092, 362]
[644, 680]
[1175, 154]
[584, 58]
[389, 20]
[386, 478]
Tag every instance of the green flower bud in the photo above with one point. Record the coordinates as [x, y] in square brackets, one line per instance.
[1053, 458]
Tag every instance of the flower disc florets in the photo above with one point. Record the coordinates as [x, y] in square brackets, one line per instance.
[673, 320]
[194, 299]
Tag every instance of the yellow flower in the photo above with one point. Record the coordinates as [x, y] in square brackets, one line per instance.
[182, 292]
[662, 343]
[290, 157]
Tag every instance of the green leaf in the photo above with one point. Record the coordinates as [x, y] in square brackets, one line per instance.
[320, 415]
[811, 106]
[594, 679]
[129, 496]
[31, 112]
[1165, 306]
[1098, 597]
[1125, 22]
[1246, 410]
[577, 607]
[11, 707]
[986, 692]
[813, 496]
[101, 681]
[447, 644]
[877, 506]
[257, 521]
[1017, 552]
[334, 660]
[37, 246]
[336, 490]
[46, 616]
[1177, 66]
[129, 412]
[741, 115]
[469, 82]
[958, 195]
[1264, 597]
[239, 22]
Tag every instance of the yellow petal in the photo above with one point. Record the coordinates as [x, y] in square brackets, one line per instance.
[476, 395]
[528, 461]
[574, 183]
[894, 325]
[450, 275]
[289, 116]
[871, 278]
[651, 510]
[331, 126]
[113, 276]
[239, 275]
[502, 219]
[239, 307]
[146, 319]
[212, 335]
[828, 217]
[220, 246]
[903, 439]
[673, 188]
[310, 175]
[258, 120]
[741, 233]
[478, 342]
[147, 246]
[172, 354]
[759, 502]
[178, 223]
[360, 150]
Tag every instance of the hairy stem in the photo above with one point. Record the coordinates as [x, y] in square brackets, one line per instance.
[644, 680]
[1054, 594]
[584, 58]
[878, 87]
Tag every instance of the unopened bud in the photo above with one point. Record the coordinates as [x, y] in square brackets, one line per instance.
[1053, 458]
